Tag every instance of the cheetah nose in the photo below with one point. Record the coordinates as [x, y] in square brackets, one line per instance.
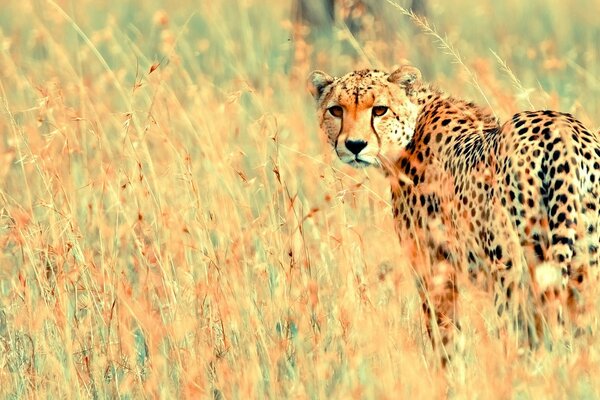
[355, 146]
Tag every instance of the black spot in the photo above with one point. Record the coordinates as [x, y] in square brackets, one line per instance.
[472, 259]
[530, 203]
[557, 184]
[539, 252]
[546, 133]
[556, 155]
[557, 239]
[498, 252]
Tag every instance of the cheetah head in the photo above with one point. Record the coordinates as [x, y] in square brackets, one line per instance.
[368, 116]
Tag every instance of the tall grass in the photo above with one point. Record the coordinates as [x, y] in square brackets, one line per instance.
[173, 225]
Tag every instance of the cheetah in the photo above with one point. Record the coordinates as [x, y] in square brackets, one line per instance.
[512, 206]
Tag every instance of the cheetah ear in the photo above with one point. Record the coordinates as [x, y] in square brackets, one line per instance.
[318, 81]
[406, 76]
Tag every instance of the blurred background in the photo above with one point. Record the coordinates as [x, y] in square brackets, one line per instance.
[172, 224]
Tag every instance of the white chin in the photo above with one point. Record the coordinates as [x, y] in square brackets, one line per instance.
[358, 163]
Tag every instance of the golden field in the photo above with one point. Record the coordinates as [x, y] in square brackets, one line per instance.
[172, 224]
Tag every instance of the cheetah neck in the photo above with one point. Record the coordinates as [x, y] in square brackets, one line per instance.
[428, 94]
[434, 127]
[431, 101]
[432, 107]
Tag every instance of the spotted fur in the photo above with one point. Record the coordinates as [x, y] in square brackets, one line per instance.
[513, 206]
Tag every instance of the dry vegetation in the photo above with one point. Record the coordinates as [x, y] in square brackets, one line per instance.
[172, 224]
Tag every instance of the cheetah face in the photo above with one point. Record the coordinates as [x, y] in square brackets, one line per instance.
[367, 116]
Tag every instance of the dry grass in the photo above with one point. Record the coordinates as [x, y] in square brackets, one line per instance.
[172, 225]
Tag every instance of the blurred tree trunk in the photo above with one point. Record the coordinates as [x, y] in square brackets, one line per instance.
[316, 14]
[320, 15]
[363, 19]
[419, 7]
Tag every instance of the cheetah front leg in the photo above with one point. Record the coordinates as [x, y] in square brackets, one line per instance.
[435, 257]
[439, 297]
[436, 284]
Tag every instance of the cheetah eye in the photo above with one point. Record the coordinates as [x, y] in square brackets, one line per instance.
[336, 111]
[379, 111]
